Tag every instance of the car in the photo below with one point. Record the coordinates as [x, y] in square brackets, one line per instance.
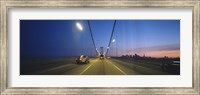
[101, 56]
[82, 59]
[108, 57]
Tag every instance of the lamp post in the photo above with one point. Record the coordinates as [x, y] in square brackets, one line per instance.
[80, 27]
[114, 41]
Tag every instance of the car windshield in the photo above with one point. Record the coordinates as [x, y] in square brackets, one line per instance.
[81, 57]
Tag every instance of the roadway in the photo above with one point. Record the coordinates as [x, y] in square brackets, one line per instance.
[96, 66]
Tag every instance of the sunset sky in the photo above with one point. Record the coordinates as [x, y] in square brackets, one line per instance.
[60, 38]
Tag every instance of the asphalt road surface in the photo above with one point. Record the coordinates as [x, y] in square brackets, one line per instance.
[99, 67]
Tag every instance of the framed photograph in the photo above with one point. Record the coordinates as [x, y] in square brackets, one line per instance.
[100, 47]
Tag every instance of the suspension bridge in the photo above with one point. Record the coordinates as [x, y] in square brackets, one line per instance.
[115, 61]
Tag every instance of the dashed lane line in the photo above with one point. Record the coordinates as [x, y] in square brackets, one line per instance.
[117, 68]
[87, 68]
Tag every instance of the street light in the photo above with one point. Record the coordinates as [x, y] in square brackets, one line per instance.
[79, 26]
[116, 47]
[113, 40]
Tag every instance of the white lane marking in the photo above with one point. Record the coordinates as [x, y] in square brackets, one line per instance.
[88, 67]
[117, 68]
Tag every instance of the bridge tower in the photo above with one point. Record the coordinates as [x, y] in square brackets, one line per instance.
[101, 50]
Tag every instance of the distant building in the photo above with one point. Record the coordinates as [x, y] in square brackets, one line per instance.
[144, 55]
[165, 56]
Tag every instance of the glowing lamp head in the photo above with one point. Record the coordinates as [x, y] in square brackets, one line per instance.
[79, 26]
[113, 40]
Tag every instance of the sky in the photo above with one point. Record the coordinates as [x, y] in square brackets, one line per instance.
[62, 38]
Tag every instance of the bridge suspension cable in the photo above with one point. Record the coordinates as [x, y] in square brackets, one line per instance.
[92, 37]
[111, 37]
